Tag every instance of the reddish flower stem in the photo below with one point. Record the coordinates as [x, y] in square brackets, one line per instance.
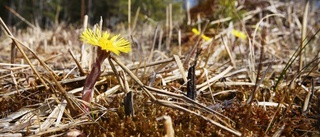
[93, 76]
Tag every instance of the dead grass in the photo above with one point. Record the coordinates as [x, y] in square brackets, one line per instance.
[255, 89]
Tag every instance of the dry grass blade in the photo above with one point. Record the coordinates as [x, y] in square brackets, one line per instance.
[251, 45]
[80, 121]
[181, 68]
[15, 115]
[20, 17]
[303, 32]
[22, 52]
[107, 93]
[12, 135]
[58, 110]
[82, 72]
[258, 82]
[204, 85]
[84, 54]
[155, 35]
[229, 53]
[308, 97]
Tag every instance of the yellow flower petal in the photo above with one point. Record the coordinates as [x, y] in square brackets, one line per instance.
[115, 44]
[89, 37]
[195, 31]
[239, 34]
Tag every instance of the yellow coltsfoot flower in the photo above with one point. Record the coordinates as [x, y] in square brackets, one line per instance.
[239, 34]
[195, 31]
[115, 44]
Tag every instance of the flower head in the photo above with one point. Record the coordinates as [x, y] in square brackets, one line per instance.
[195, 31]
[115, 44]
[239, 34]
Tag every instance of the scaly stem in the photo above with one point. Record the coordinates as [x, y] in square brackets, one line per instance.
[93, 76]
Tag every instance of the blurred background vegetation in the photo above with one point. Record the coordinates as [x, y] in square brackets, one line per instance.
[47, 13]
